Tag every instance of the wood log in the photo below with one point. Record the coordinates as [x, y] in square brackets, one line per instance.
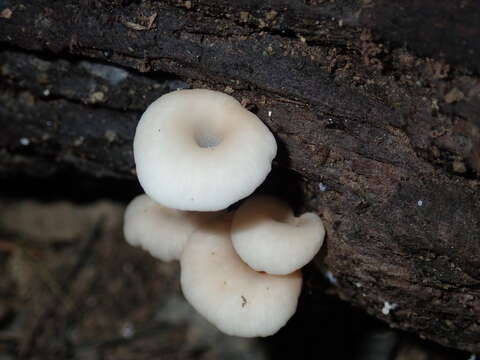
[385, 143]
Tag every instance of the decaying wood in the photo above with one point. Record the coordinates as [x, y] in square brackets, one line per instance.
[386, 143]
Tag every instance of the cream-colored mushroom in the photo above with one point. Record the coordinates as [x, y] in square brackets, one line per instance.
[161, 231]
[201, 150]
[268, 237]
[236, 299]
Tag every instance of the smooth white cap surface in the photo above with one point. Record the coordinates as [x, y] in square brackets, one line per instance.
[236, 299]
[268, 237]
[201, 150]
[161, 231]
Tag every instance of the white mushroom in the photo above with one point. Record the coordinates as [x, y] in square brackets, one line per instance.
[161, 231]
[268, 237]
[201, 150]
[228, 293]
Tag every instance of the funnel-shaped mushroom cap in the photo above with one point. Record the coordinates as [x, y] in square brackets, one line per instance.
[268, 237]
[201, 150]
[161, 231]
[236, 299]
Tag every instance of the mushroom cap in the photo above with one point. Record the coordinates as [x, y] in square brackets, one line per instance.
[201, 150]
[268, 237]
[161, 231]
[236, 299]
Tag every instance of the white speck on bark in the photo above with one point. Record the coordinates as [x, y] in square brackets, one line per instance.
[387, 307]
[330, 277]
[110, 73]
[110, 135]
[128, 330]
[24, 141]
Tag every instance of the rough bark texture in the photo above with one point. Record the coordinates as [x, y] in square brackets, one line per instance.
[386, 143]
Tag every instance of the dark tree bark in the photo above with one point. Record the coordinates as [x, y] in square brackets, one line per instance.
[386, 143]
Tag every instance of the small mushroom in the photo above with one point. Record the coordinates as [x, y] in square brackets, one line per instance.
[161, 231]
[268, 237]
[236, 299]
[201, 150]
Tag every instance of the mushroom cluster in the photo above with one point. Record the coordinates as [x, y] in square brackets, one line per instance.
[196, 153]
